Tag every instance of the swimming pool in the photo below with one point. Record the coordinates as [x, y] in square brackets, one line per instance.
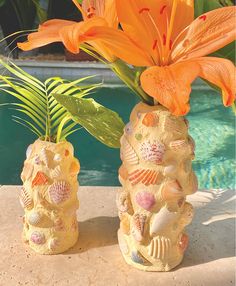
[211, 125]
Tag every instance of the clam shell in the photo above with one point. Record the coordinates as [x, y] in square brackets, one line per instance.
[53, 244]
[29, 151]
[40, 179]
[128, 154]
[37, 237]
[162, 220]
[59, 192]
[146, 177]
[26, 200]
[151, 119]
[138, 225]
[171, 190]
[145, 200]
[122, 201]
[122, 243]
[179, 145]
[34, 218]
[183, 242]
[153, 152]
[159, 248]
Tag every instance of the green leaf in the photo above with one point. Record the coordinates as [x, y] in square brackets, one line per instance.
[101, 122]
[2, 2]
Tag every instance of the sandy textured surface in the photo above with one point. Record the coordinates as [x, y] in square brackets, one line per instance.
[96, 259]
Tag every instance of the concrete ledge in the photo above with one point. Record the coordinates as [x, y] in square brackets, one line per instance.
[74, 70]
[96, 259]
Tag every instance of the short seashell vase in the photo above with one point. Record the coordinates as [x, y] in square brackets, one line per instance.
[49, 197]
[156, 175]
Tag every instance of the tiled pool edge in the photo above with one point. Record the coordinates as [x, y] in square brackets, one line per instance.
[74, 70]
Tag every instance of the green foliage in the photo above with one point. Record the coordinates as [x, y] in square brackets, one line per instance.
[104, 124]
[36, 107]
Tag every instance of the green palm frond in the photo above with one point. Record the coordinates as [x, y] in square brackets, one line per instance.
[36, 107]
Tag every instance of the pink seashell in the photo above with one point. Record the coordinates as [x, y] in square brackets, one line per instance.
[37, 237]
[146, 177]
[145, 200]
[138, 224]
[25, 199]
[183, 243]
[153, 152]
[179, 145]
[59, 192]
[128, 154]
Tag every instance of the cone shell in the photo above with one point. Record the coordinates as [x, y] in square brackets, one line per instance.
[40, 179]
[26, 200]
[153, 152]
[179, 145]
[122, 201]
[128, 154]
[34, 218]
[171, 190]
[159, 248]
[138, 224]
[59, 192]
[151, 119]
[145, 200]
[37, 237]
[146, 177]
[183, 243]
[162, 220]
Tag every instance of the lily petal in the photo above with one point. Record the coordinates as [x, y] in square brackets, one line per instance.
[171, 85]
[207, 34]
[220, 72]
[118, 43]
[47, 33]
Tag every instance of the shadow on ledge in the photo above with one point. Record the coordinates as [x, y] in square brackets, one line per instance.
[95, 233]
[212, 231]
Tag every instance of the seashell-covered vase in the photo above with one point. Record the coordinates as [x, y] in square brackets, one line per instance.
[156, 175]
[49, 197]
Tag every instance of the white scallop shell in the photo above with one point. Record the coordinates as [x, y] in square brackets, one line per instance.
[159, 248]
[44, 156]
[152, 152]
[34, 218]
[56, 172]
[59, 192]
[128, 153]
[138, 225]
[26, 200]
[162, 219]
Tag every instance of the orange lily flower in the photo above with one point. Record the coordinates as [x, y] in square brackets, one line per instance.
[94, 12]
[164, 36]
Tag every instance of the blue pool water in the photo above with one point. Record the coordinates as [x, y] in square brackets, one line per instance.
[211, 125]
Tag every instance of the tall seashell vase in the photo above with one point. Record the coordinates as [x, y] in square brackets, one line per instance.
[156, 176]
[49, 197]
